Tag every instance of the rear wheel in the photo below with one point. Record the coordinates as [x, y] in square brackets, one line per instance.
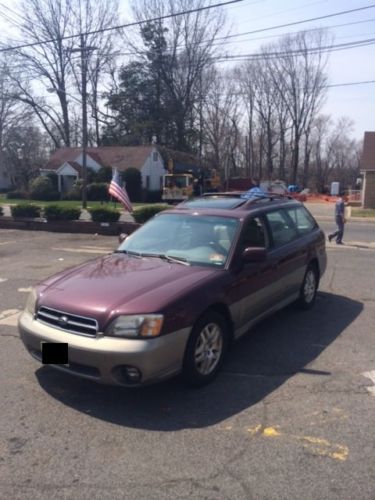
[309, 288]
[206, 349]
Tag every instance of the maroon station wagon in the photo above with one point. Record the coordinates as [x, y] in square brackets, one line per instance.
[177, 291]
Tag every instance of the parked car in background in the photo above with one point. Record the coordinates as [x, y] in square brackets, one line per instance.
[178, 291]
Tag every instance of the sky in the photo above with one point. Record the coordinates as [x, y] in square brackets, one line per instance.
[353, 65]
[346, 66]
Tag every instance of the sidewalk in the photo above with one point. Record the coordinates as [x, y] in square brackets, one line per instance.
[325, 211]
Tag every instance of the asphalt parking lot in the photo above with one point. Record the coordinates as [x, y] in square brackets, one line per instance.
[290, 417]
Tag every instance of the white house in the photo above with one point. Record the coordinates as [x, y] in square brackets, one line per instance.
[67, 164]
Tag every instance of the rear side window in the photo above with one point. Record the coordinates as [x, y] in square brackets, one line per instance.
[302, 219]
[282, 228]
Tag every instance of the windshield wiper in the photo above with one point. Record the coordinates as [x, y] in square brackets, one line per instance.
[129, 252]
[169, 258]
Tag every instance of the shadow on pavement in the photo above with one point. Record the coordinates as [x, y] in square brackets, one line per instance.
[257, 365]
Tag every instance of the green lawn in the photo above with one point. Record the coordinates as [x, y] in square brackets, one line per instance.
[70, 204]
[363, 212]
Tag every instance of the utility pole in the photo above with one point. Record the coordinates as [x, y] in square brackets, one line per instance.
[84, 120]
[83, 49]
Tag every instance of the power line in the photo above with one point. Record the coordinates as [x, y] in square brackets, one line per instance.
[121, 26]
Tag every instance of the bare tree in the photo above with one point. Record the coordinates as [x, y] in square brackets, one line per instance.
[50, 30]
[298, 72]
[220, 122]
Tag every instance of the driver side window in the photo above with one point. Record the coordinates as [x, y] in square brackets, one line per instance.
[254, 234]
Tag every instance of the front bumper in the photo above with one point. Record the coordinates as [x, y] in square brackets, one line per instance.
[103, 359]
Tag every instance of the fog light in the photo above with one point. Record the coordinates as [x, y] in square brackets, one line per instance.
[131, 374]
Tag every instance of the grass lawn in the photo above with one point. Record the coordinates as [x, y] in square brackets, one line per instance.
[70, 204]
[363, 212]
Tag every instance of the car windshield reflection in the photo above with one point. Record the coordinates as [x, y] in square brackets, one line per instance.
[185, 239]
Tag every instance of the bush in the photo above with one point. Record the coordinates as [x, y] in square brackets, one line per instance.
[56, 212]
[104, 174]
[1, 211]
[133, 182]
[42, 189]
[143, 214]
[102, 214]
[25, 210]
[17, 195]
[153, 196]
[97, 191]
[75, 194]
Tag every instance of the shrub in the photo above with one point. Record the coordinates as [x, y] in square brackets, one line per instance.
[1, 211]
[133, 181]
[97, 191]
[104, 174]
[56, 212]
[54, 179]
[42, 189]
[75, 193]
[143, 214]
[102, 214]
[25, 210]
[153, 196]
[17, 195]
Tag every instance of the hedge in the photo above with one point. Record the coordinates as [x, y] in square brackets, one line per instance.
[97, 191]
[17, 195]
[102, 214]
[143, 214]
[41, 188]
[25, 210]
[56, 212]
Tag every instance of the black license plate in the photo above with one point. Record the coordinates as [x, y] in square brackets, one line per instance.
[54, 353]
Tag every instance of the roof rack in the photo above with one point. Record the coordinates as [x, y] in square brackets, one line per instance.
[266, 197]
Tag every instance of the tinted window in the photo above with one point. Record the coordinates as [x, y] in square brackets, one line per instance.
[254, 234]
[282, 228]
[301, 218]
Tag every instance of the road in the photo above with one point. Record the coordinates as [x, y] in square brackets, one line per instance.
[290, 417]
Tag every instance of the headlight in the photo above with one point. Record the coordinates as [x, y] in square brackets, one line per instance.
[147, 325]
[31, 302]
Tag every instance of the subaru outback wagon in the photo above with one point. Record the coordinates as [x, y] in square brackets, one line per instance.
[177, 291]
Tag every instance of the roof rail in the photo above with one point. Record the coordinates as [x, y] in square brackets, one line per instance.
[269, 196]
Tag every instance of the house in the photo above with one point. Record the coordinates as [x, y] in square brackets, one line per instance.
[368, 170]
[67, 164]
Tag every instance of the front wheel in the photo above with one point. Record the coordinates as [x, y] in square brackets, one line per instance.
[206, 349]
[309, 288]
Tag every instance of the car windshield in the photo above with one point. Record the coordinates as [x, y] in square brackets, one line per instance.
[192, 239]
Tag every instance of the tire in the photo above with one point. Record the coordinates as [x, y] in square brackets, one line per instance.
[309, 288]
[205, 350]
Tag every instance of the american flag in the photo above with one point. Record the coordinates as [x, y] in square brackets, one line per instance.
[118, 192]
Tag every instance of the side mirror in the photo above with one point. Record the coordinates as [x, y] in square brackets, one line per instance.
[122, 237]
[254, 254]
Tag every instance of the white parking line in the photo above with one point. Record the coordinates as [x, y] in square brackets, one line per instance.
[3, 279]
[371, 376]
[81, 250]
[9, 317]
[26, 290]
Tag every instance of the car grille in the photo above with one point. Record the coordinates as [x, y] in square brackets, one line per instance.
[68, 322]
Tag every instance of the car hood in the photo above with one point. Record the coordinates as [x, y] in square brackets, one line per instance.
[120, 284]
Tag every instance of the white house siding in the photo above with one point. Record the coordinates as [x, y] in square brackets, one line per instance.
[153, 170]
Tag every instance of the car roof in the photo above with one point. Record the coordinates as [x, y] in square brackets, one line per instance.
[232, 205]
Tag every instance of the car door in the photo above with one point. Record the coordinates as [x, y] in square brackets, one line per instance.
[254, 283]
[289, 253]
